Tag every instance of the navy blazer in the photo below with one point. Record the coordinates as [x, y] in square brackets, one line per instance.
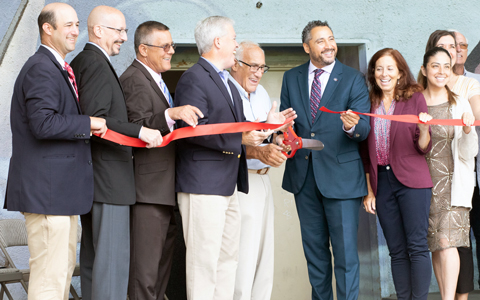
[101, 95]
[51, 166]
[212, 164]
[338, 167]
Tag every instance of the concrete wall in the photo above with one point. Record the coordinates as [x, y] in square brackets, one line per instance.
[404, 25]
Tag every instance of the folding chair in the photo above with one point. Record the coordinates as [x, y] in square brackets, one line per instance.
[12, 233]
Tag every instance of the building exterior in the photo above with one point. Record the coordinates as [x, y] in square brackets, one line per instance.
[361, 27]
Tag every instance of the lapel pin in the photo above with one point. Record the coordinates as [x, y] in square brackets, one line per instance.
[335, 79]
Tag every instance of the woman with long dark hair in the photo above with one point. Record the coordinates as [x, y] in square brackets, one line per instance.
[451, 164]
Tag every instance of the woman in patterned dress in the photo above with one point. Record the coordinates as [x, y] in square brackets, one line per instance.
[399, 183]
[451, 164]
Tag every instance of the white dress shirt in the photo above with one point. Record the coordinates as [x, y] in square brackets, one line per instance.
[255, 107]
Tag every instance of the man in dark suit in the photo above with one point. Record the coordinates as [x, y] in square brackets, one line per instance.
[210, 169]
[152, 223]
[105, 249]
[328, 184]
[50, 179]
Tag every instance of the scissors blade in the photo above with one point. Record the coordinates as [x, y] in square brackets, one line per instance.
[312, 144]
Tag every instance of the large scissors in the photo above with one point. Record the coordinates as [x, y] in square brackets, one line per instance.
[295, 142]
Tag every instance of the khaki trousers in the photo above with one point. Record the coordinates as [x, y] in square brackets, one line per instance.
[254, 278]
[52, 242]
[211, 228]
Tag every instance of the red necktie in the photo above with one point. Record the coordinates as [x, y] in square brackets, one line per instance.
[316, 94]
[71, 76]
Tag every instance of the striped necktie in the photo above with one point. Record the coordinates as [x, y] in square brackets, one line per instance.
[316, 94]
[166, 92]
[71, 77]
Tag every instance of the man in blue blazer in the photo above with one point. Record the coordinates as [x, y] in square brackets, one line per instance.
[50, 179]
[328, 185]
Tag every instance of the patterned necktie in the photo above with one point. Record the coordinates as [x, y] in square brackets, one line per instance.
[71, 76]
[316, 94]
[166, 92]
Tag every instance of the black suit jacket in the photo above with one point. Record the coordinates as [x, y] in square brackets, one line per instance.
[154, 168]
[212, 164]
[51, 166]
[101, 95]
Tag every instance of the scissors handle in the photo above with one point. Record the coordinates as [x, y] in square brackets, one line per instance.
[293, 140]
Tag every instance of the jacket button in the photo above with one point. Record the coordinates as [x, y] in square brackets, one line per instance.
[238, 156]
[89, 162]
[357, 134]
[312, 134]
[306, 157]
[87, 141]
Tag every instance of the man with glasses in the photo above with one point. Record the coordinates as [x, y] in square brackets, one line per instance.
[254, 278]
[149, 103]
[105, 249]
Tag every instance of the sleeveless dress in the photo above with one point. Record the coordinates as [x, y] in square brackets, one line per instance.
[449, 226]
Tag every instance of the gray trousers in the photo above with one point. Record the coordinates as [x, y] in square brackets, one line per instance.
[105, 252]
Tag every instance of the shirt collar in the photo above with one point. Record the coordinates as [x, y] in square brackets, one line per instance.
[103, 51]
[240, 89]
[58, 57]
[156, 76]
[222, 73]
[328, 69]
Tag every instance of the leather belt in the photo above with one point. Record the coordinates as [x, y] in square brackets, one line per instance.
[263, 171]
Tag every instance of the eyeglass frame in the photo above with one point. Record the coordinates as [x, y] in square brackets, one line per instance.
[119, 30]
[463, 46]
[264, 68]
[165, 47]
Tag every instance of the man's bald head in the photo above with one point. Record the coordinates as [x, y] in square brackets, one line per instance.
[58, 24]
[107, 28]
[49, 14]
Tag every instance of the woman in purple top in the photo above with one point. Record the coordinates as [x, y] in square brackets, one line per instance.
[398, 179]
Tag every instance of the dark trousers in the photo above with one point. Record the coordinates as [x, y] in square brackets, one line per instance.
[475, 221]
[403, 214]
[105, 252]
[324, 220]
[152, 235]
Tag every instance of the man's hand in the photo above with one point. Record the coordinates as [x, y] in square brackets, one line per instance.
[280, 117]
[255, 138]
[98, 126]
[279, 138]
[349, 119]
[152, 137]
[269, 154]
[187, 113]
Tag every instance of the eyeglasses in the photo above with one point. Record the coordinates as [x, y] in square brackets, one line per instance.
[463, 46]
[255, 68]
[165, 47]
[120, 31]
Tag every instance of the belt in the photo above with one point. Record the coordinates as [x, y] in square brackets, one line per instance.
[384, 168]
[263, 171]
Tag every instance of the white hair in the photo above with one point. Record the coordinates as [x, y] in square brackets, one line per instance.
[208, 29]
[456, 31]
[245, 45]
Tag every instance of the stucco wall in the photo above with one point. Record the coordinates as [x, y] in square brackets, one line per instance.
[404, 25]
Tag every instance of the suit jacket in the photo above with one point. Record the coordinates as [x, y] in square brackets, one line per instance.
[213, 164]
[338, 167]
[101, 95]
[51, 166]
[146, 105]
[407, 159]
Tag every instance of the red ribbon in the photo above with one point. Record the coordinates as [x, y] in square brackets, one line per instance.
[186, 132]
[407, 118]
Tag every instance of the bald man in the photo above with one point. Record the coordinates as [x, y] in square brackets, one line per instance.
[105, 249]
[50, 179]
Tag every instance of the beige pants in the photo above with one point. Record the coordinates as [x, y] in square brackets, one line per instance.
[254, 278]
[52, 241]
[211, 227]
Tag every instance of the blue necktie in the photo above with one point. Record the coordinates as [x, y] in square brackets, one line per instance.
[166, 92]
[316, 94]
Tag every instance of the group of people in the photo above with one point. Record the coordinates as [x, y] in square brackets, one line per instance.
[419, 179]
